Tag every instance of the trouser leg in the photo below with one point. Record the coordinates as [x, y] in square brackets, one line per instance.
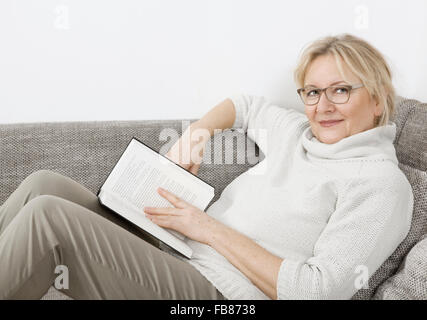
[104, 261]
[46, 182]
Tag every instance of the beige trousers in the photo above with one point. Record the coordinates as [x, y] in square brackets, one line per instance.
[51, 226]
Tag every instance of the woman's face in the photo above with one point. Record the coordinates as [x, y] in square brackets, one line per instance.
[355, 116]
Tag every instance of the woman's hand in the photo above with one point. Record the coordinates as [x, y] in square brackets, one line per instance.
[188, 150]
[184, 218]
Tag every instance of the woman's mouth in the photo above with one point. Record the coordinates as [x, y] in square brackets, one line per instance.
[329, 123]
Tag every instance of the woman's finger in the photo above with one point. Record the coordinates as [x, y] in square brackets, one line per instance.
[162, 211]
[162, 221]
[195, 168]
[176, 201]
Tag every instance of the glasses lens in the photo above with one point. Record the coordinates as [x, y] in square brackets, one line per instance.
[338, 94]
[310, 95]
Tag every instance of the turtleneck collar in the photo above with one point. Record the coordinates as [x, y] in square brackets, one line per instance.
[373, 144]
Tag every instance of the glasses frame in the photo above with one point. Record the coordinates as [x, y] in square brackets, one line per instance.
[349, 87]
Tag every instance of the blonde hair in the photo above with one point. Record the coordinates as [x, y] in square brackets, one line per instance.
[365, 61]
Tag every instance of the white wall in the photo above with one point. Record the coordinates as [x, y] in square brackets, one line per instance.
[167, 59]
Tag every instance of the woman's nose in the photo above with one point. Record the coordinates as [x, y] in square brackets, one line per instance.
[324, 104]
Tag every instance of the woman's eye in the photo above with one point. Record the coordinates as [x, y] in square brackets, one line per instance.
[312, 93]
[341, 90]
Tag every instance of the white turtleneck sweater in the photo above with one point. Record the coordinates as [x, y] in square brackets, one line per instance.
[333, 212]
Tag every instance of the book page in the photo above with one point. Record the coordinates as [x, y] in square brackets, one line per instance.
[139, 181]
[140, 171]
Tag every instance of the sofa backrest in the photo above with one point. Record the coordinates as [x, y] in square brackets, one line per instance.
[411, 137]
[87, 151]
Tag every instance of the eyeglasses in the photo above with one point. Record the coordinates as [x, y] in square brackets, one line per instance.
[336, 94]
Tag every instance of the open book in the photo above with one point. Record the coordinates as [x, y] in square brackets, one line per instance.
[132, 184]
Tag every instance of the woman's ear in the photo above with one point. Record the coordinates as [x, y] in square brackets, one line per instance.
[379, 109]
[379, 105]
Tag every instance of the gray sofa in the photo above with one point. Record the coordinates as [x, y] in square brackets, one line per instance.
[87, 151]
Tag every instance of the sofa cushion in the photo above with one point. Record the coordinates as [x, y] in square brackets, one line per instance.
[410, 282]
[411, 136]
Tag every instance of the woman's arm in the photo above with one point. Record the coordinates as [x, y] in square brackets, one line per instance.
[220, 117]
[188, 150]
[256, 263]
[372, 216]
[257, 117]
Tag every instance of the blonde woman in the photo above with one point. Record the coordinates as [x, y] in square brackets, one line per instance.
[331, 201]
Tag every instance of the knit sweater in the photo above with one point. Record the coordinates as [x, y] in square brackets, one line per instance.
[332, 212]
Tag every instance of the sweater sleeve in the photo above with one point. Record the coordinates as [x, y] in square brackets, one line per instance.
[367, 225]
[261, 120]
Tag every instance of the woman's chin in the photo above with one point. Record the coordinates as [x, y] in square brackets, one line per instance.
[329, 137]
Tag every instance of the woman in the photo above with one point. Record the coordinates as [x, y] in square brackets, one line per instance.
[332, 202]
